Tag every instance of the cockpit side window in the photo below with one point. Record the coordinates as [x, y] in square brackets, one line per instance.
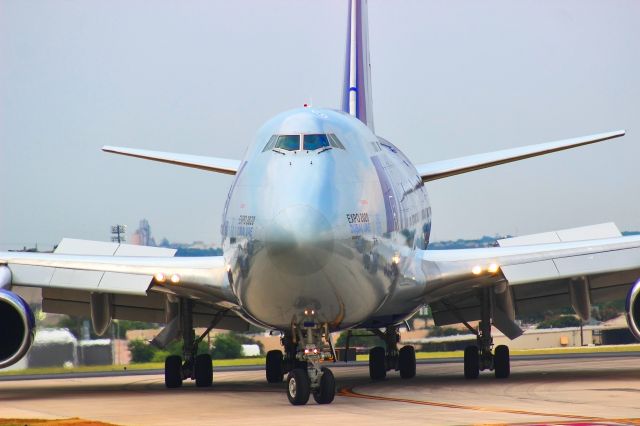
[271, 143]
[288, 142]
[334, 141]
[313, 142]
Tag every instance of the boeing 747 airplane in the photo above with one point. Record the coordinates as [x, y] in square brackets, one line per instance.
[326, 228]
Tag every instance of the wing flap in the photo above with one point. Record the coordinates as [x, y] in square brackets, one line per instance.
[211, 164]
[456, 166]
[530, 272]
[116, 282]
[148, 308]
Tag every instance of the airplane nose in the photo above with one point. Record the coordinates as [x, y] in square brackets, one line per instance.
[300, 240]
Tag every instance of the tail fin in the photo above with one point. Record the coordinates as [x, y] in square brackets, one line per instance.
[356, 93]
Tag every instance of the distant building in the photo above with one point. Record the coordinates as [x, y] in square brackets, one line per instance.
[142, 236]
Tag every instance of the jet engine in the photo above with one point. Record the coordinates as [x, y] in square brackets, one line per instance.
[633, 309]
[17, 328]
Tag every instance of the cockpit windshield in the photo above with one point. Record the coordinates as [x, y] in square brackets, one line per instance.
[310, 142]
[288, 142]
[313, 142]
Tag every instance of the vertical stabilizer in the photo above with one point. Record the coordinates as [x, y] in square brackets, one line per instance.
[356, 93]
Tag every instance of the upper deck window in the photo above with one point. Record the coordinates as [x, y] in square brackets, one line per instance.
[288, 142]
[313, 142]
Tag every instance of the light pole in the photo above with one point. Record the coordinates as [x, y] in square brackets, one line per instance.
[118, 233]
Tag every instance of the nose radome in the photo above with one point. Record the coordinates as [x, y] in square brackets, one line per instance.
[300, 240]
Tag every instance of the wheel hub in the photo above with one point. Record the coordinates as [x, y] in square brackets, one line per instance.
[292, 387]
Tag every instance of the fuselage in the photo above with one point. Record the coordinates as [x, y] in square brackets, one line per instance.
[323, 215]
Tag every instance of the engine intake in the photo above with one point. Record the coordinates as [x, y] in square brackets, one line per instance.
[17, 330]
[633, 309]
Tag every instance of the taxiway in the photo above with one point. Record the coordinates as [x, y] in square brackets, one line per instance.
[553, 390]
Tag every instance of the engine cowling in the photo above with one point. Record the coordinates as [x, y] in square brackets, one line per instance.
[633, 310]
[17, 330]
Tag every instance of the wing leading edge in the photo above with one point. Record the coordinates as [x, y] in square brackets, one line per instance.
[211, 164]
[120, 269]
[456, 166]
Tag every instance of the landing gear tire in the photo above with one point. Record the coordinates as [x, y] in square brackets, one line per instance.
[204, 371]
[298, 387]
[501, 363]
[273, 367]
[471, 362]
[327, 390]
[173, 371]
[407, 362]
[377, 363]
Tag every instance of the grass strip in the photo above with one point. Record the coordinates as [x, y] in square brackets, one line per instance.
[364, 357]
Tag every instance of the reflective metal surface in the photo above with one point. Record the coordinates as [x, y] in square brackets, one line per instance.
[324, 230]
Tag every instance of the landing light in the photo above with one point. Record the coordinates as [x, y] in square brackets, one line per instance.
[175, 278]
[476, 270]
[493, 268]
[160, 277]
[396, 259]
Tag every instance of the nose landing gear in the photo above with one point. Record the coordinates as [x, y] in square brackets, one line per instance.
[305, 353]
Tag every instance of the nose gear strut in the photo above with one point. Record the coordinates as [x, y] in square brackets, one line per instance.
[305, 352]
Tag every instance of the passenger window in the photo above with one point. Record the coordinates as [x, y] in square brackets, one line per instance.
[334, 141]
[288, 142]
[312, 142]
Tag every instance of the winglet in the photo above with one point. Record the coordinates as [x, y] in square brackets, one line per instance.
[211, 164]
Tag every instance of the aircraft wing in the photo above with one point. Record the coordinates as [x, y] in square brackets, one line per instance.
[211, 164]
[533, 277]
[456, 166]
[138, 279]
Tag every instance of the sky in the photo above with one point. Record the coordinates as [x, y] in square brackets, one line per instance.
[200, 77]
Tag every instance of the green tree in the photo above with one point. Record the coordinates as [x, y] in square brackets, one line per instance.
[226, 346]
[608, 310]
[141, 351]
[75, 324]
[361, 339]
[247, 340]
[562, 321]
[447, 331]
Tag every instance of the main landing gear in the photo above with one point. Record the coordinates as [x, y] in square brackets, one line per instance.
[195, 367]
[479, 357]
[381, 360]
[304, 352]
